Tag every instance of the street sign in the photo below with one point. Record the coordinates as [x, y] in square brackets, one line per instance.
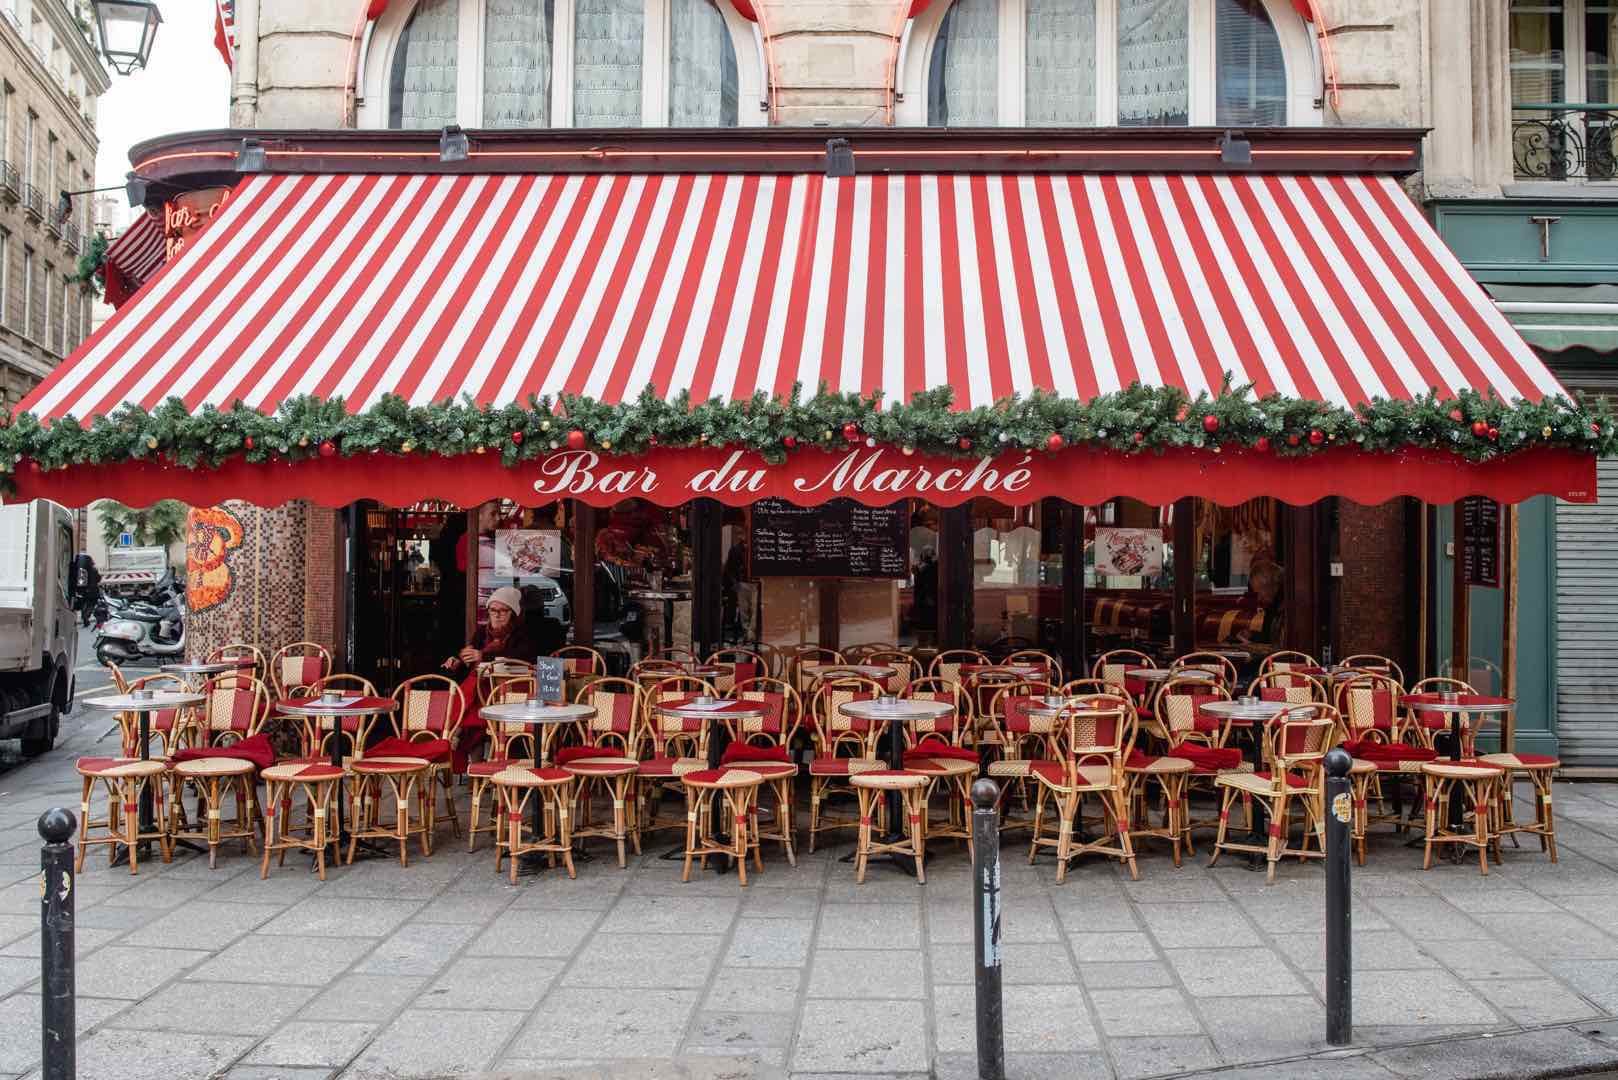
[126, 539]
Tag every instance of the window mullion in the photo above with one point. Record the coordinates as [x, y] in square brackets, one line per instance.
[1573, 50]
[1013, 76]
[1106, 63]
[562, 65]
[1201, 64]
[654, 83]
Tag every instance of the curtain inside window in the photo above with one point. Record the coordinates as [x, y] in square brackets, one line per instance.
[1601, 52]
[1537, 66]
[702, 66]
[1250, 81]
[607, 62]
[963, 83]
[517, 63]
[1061, 63]
[422, 91]
[1153, 54]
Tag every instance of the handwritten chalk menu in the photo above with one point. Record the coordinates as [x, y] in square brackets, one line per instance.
[1480, 541]
[549, 677]
[840, 538]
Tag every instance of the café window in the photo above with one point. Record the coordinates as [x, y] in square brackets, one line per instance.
[1564, 89]
[1239, 579]
[562, 63]
[1016, 575]
[1100, 63]
[1129, 575]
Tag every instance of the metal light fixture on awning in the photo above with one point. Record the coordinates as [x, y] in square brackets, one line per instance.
[127, 28]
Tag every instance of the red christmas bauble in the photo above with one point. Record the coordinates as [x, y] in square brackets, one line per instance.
[516, 438]
[328, 448]
[1494, 434]
[1595, 428]
[1055, 442]
[1293, 440]
[1455, 415]
[247, 442]
[575, 439]
[851, 432]
[790, 442]
[1316, 437]
[964, 443]
[33, 466]
[1210, 423]
[1262, 443]
[1140, 437]
[1185, 411]
[1479, 428]
[651, 440]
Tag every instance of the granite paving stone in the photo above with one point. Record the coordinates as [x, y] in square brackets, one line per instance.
[119, 1054]
[491, 982]
[214, 1008]
[307, 1044]
[1145, 1012]
[1158, 1055]
[424, 1043]
[287, 961]
[363, 997]
[737, 989]
[851, 973]
[772, 942]
[120, 971]
[880, 1037]
[1234, 972]
[645, 960]
[1038, 1020]
[20, 1043]
[586, 1023]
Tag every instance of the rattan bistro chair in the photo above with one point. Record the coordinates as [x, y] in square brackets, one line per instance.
[606, 761]
[425, 726]
[843, 746]
[1093, 739]
[1295, 743]
[298, 665]
[353, 731]
[506, 740]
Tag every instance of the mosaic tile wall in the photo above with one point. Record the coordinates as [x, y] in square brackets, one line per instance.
[245, 576]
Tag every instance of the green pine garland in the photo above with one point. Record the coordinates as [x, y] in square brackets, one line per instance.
[1140, 419]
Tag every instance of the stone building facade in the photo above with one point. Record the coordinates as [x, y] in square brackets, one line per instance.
[50, 78]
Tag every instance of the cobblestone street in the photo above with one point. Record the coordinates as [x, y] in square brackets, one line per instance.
[443, 969]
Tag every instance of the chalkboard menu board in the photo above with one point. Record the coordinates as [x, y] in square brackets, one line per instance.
[840, 538]
[1480, 541]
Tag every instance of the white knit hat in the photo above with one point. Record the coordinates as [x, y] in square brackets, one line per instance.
[509, 596]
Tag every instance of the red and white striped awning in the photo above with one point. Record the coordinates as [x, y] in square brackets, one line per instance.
[435, 286]
[133, 258]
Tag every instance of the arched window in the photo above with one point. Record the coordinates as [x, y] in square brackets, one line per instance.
[561, 63]
[1083, 63]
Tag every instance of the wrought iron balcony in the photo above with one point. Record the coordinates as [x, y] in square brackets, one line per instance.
[1564, 141]
[33, 202]
[10, 182]
[70, 236]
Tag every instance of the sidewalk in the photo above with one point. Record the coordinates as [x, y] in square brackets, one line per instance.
[443, 969]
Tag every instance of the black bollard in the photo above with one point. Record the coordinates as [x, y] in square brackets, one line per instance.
[1339, 934]
[56, 1020]
[986, 929]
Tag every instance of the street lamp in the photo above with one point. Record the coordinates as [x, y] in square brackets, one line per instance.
[127, 29]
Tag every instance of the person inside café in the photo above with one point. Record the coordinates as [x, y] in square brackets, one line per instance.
[503, 636]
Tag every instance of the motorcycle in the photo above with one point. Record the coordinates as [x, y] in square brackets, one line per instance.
[153, 626]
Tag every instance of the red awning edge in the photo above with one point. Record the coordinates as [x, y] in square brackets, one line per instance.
[877, 476]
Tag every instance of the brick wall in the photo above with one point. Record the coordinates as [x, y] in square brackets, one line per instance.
[1370, 600]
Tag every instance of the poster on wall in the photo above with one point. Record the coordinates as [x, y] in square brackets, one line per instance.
[1129, 552]
[523, 553]
[1480, 541]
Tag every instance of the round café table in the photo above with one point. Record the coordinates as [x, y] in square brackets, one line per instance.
[1005, 671]
[893, 712]
[188, 669]
[1458, 706]
[330, 712]
[543, 717]
[668, 598]
[143, 703]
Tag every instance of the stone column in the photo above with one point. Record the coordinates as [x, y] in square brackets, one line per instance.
[831, 61]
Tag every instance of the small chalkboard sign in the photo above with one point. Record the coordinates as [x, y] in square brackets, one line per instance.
[550, 676]
[1480, 541]
[840, 538]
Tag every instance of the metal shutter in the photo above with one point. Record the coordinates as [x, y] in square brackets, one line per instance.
[1587, 626]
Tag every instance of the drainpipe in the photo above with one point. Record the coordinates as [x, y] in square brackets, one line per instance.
[244, 75]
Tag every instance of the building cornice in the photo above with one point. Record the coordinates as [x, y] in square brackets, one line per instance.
[13, 37]
[209, 158]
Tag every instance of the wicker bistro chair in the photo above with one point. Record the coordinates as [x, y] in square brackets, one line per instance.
[431, 708]
[122, 778]
[731, 796]
[174, 728]
[1093, 739]
[936, 748]
[947, 664]
[406, 777]
[905, 668]
[1295, 743]
[1216, 664]
[676, 654]
[1372, 664]
[767, 740]
[1288, 686]
[1040, 658]
[1008, 724]
[605, 760]
[1113, 668]
[1425, 725]
[670, 746]
[843, 746]
[249, 659]
[581, 665]
[1538, 768]
[1186, 732]
[318, 781]
[737, 666]
[300, 664]
[515, 783]
[506, 740]
[804, 655]
[871, 788]
[1479, 784]
[355, 731]
[1284, 660]
[235, 709]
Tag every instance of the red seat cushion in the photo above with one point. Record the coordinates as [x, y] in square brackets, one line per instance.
[434, 750]
[1208, 758]
[1293, 780]
[1381, 751]
[574, 753]
[256, 748]
[937, 750]
[740, 751]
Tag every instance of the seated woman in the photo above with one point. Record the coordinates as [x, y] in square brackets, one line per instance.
[503, 637]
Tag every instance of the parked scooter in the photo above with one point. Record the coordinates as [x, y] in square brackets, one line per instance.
[153, 626]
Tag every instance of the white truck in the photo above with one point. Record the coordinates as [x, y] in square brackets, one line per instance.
[39, 630]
